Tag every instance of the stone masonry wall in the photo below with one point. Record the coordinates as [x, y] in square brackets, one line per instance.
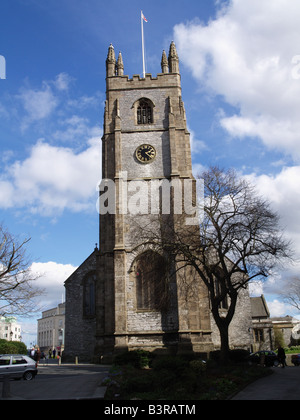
[79, 331]
[240, 330]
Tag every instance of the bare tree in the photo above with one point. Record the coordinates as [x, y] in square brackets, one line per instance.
[17, 288]
[239, 240]
[291, 292]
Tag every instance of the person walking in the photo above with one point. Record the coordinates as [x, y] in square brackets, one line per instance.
[37, 355]
[281, 356]
[32, 353]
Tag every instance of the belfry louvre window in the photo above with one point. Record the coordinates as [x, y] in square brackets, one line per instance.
[144, 112]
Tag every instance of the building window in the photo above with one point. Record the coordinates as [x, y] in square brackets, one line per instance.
[150, 276]
[258, 335]
[224, 303]
[89, 295]
[220, 287]
[144, 111]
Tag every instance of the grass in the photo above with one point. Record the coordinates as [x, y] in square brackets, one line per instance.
[175, 378]
[292, 350]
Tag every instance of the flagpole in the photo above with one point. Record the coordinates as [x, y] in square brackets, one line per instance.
[143, 46]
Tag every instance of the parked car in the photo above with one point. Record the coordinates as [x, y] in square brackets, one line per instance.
[268, 358]
[18, 366]
[296, 359]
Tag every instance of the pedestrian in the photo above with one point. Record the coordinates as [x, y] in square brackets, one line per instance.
[54, 353]
[281, 356]
[32, 353]
[37, 355]
[50, 353]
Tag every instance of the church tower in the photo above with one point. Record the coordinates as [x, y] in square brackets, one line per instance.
[145, 141]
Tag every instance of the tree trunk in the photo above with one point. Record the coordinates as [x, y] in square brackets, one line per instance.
[224, 336]
[223, 327]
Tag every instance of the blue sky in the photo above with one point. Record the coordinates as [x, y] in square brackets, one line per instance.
[239, 62]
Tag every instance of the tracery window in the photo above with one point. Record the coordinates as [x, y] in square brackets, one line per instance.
[224, 303]
[150, 274]
[144, 112]
[220, 284]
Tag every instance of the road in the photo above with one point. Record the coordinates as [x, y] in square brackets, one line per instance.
[282, 385]
[61, 382]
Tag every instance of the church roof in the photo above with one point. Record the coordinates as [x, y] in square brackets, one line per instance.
[259, 307]
[86, 262]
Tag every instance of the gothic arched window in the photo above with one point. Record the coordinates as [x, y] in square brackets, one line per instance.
[219, 286]
[144, 111]
[150, 275]
[89, 295]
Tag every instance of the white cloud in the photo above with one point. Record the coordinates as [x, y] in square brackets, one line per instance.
[63, 81]
[6, 194]
[52, 179]
[249, 55]
[38, 104]
[282, 191]
[197, 146]
[277, 308]
[86, 101]
[51, 278]
[44, 102]
[245, 55]
[74, 128]
[256, 288]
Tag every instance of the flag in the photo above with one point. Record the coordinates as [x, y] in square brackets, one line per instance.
[143, 17]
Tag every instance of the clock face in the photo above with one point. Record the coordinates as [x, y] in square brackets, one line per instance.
[145, 153]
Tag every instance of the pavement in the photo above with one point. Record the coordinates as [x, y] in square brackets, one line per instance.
[59, 382]
[84, 382]
[283, 385]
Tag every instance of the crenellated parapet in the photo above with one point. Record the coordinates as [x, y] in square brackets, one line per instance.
[169, 65]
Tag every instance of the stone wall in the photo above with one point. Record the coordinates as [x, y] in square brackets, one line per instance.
[240, 330]
[79, 330]
[159, 168]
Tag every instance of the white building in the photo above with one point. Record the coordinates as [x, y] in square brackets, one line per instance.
[51, 328]
[9, 329]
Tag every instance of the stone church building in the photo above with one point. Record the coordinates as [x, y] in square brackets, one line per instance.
[113, 300]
